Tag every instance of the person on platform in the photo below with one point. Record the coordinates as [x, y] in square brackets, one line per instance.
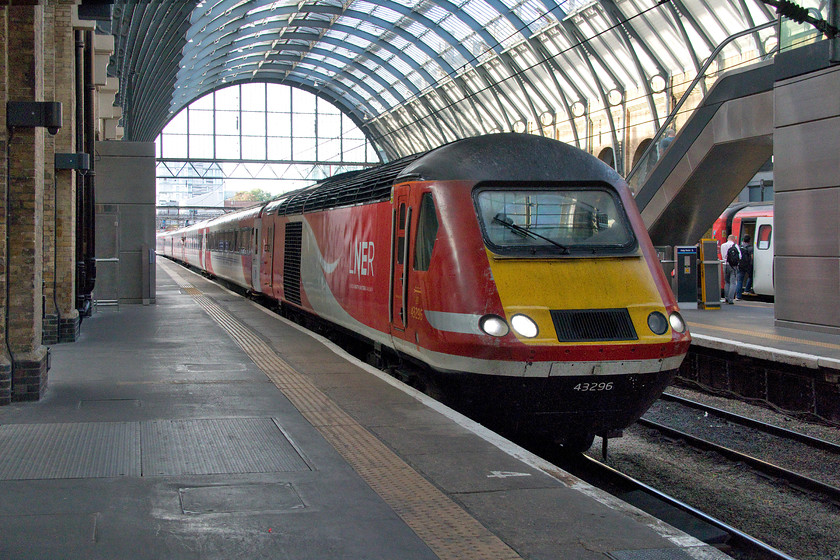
[745, 266]
[731, 255]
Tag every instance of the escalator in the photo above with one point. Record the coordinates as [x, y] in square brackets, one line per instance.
[717, 151]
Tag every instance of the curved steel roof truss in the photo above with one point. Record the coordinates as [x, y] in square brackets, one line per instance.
[417, 73]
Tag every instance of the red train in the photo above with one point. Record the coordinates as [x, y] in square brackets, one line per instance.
[756, 220]
[512, 270]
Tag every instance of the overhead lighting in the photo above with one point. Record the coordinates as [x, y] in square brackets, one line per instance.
[658, 83]
[547, 118]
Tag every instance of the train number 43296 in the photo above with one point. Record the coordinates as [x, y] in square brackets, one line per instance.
[607, 386]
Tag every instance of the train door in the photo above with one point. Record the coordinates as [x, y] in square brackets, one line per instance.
[747, 228]
[256, 256]
[202, 247]
[763, 257]
[400, 234]
[267, 258]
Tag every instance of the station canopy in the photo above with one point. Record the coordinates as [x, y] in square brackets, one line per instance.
[415, 74]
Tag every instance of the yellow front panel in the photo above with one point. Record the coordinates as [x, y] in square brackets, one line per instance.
[536, 286]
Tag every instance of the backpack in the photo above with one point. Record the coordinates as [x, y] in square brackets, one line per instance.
[746, 259]
[733, 256]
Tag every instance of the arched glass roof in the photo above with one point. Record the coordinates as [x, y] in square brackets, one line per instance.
[262, 135]
[414, 74]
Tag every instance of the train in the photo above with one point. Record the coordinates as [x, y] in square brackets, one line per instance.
[756, 220]
[511, 272]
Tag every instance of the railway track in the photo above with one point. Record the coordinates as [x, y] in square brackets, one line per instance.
[825, 490]
[756, 424]
[802, 481]
[663, 506]
[780, 485]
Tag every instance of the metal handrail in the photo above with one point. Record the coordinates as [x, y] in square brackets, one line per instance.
[701, 75]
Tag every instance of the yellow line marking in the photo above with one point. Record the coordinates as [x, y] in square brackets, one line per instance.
[446, 528]
[767, 336]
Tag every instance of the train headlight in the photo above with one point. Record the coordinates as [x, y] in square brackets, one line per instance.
[677, 322]
[657, 323]
[524, 326]
[493, 325]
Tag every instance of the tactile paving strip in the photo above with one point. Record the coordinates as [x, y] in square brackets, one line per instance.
[448, 530]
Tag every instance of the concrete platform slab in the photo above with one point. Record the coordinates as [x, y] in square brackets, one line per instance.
[240, 447]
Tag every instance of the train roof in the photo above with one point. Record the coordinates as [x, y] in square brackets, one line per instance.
[346, 189]
[510, 157]
[745, 207]
[493, 157]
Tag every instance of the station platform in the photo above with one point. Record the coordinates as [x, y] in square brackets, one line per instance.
[747, 328]
[738, 350]
[208, 427]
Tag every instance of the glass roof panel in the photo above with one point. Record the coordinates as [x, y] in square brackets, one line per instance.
[377, 55]
[503, 32]
[455, 26]
[377, 10]
[480, 11]
[364, 25]
[414, 52]
[532, 13]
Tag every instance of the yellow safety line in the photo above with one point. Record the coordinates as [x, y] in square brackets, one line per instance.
[768, 336]
[446, 528]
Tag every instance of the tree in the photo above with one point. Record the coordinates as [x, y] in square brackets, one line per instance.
[254, 195]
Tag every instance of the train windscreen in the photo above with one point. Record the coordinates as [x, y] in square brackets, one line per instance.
[553, 221]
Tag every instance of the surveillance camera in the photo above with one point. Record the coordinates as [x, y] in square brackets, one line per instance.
[53, 130]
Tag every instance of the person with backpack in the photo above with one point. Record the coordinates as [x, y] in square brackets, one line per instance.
[745, 266]
[731, 254]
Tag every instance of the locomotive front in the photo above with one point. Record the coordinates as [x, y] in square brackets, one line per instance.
[545, 306]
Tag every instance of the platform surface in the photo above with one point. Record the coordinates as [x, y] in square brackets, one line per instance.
[748, 327]
[206, 427]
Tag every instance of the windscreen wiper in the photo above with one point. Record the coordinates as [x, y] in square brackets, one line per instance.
[508, 223]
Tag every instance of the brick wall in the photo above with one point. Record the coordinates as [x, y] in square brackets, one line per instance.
[49, 324]
[5, 362]
[25, 79]
[61, 320]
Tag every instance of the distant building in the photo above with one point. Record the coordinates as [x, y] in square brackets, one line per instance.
[198, 184]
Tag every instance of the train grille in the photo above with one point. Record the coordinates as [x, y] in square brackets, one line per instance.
[291, 262]
[591, 325]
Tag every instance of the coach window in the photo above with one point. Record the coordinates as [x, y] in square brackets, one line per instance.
[763, 237]
[427, 226]
[401, 238]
